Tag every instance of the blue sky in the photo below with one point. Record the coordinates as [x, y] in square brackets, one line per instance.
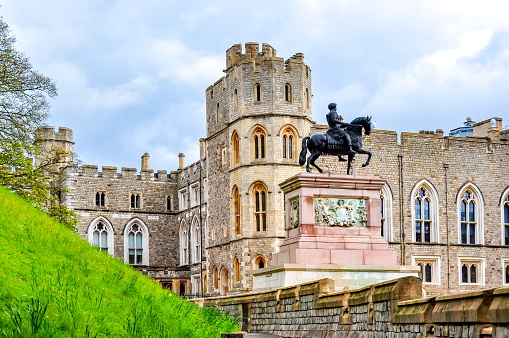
[131, 75]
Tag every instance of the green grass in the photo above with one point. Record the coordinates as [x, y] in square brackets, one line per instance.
[54, 284]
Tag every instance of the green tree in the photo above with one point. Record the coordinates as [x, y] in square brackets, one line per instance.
[24, 108]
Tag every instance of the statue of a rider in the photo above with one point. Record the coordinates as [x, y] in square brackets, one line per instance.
[335, 132]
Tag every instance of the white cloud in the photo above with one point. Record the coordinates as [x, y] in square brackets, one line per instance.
[175, 61]
[194, 17]
[120, 95]
[469, 45]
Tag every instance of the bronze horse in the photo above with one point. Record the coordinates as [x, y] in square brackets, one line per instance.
[318, 144]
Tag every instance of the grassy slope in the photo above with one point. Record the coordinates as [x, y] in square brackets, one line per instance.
[53, 284]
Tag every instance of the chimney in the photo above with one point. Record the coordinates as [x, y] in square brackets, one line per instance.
[181, 161]
[145, 162]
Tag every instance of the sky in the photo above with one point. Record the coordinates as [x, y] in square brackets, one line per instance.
[131, 75]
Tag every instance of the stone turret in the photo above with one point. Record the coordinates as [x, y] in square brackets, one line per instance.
[50, 140]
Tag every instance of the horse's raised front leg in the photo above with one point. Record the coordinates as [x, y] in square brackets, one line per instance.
[311, 160]
[362, 151]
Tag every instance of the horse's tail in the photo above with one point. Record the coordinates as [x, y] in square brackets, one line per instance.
[304, 151]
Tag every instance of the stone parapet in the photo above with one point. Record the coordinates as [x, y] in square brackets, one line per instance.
[388, 309]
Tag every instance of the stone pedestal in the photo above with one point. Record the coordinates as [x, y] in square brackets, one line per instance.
[333, 219]
[333, 231]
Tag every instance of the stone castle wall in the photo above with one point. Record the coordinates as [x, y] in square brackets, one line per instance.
[390, 309]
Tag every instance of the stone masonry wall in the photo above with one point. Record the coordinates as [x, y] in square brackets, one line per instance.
[389, 309]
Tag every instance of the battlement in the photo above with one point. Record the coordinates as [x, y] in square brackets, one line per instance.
[88, 170]
[48, 133]
[234, 55]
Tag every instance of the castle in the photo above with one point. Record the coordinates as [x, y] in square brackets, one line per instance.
[204, 228]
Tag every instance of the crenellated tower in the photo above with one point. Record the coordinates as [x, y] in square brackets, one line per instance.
[257, 115]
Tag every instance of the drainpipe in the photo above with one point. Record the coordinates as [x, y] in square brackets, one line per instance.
[201, 230]
[446, 167]
[401, 214]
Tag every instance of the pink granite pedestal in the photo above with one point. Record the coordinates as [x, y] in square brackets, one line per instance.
[317, 244]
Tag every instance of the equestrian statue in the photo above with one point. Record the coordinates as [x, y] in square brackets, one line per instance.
[337, 141]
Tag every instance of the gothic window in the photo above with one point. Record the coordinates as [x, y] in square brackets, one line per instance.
[470, 215]
[430, 268]
[218, 113]
[288, 143]
[100, 199]
[288, 93]
[422, 217]
[260, 262]
[100, 237]
[184, 244]
[258, 92]
[471, 271]
[505, 219]
[425, 213]
[260, 206]
[386, 213]
[195, 241]
[308, 105]
[259, 143]
[236, 209]
[100, 234]
[235, 99]
[236, 148]
[135, 201]
[236, 270]
[215, 278]
[136, 243]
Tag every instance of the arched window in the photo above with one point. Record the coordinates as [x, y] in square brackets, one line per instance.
[425, 213]
[260, 262]
[260, 206]
[288, 93]
[505, 217]
[386, 213]
[215, 278]
[259, 143]
[430, 268]
[235, 99]
[470, 215]
[136, 243]
[258, 92]
[195, 241]
[218, 113]
[471, 270]
[224, 281]
[288, 137]
[100, 234]
[184, 244]
[100, 198]
[236, 270]
[236, 148]
[236, 209]
[308, 104]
